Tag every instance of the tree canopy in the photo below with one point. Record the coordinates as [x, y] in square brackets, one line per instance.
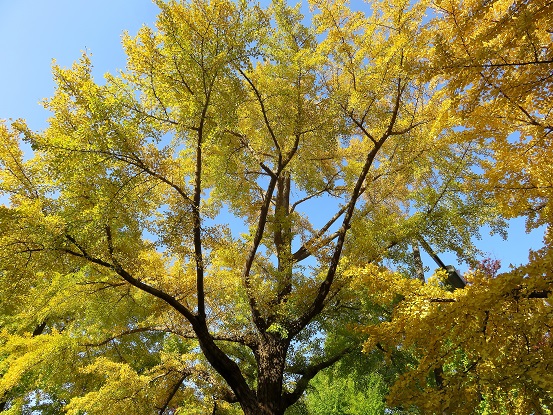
[236, 211]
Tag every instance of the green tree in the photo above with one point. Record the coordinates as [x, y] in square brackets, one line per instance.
[334, 393]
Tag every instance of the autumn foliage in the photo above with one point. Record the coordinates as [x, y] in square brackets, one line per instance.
[236, 211]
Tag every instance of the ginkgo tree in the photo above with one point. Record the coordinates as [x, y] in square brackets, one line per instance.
[183, 235]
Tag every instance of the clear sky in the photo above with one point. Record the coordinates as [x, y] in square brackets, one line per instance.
[33, 32]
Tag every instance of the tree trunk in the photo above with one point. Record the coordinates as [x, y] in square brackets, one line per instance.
[419, 267]
[271, 358]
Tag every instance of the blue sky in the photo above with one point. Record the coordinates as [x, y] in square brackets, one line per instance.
[33, 32]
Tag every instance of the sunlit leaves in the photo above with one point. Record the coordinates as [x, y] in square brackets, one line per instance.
[488, 342]
[217, 203]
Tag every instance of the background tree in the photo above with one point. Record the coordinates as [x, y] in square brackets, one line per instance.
[184, 233]
[332, 392]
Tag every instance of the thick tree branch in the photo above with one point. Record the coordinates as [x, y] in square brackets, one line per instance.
[318, 303]
[135, 161]
[197, 220]
[282, 236]
[360, 125]
[305, 250]
[400, 88]
[540, 294]
[442, 300]
[118, 269]
[419, 267]
[309, 373]
[248, 339]
[225, 366]
[39, 329]
[260, 229]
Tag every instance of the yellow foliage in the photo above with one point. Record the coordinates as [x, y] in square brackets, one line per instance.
[123, 391]
[490, 341]
[201, 215]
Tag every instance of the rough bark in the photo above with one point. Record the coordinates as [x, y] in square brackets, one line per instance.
[271, 358]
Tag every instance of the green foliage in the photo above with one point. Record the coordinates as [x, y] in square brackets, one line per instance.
[336, 393]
